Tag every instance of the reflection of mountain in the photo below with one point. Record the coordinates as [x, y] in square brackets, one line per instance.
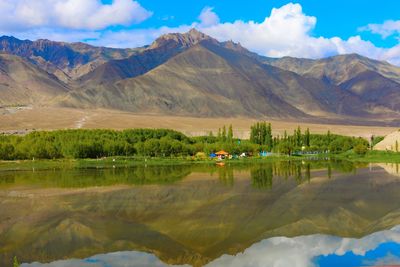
[391, 168]
[198, 219]
[375, 249]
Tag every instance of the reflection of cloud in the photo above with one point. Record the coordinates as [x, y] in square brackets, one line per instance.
[117, 259]
[301, 251]
[274, 252]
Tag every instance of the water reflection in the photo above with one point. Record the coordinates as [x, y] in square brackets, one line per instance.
[261, 177]
[262, 174]
[378, 249]
[80, 178]
[190, 214]
[116, 259]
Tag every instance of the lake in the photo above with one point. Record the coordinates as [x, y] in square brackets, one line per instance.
[287, 213]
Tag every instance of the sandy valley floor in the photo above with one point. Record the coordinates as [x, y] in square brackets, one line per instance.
[61, 118]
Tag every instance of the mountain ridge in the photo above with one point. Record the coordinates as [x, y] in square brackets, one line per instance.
[193, 74]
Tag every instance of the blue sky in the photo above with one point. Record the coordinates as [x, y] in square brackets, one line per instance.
[307, 28]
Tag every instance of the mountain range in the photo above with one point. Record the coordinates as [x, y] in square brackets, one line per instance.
[193, 74]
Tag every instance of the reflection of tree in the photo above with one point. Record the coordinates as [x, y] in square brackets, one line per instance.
[298, 176]
[308, 172]
[225, 175]
[262, 176]
[8, 178]
[343, 166]
[71, 178]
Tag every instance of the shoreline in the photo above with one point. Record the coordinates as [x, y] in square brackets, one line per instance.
[126, 162]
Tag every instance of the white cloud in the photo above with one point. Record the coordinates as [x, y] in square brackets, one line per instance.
[22, 15]
[287, 31]
[208, 17]
[386, 29]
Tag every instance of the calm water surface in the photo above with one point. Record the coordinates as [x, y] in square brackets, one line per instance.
[310, 213]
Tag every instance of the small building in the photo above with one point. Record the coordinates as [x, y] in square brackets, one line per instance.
[222, 154]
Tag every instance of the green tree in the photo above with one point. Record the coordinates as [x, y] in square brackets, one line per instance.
[328, 135]
[298, 137]
[360, 149]
[268, 138]
[224, 134]
[307, 138]
[230, 134]
[285, 147]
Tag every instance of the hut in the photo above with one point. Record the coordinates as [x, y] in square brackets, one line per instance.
[222, 154]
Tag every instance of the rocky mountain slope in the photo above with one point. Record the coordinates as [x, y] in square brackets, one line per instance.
[65, 60]
[195, 75]
[22, 83]
[371, 80]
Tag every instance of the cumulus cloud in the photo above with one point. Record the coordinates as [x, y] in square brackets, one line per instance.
[208, 17]
[20, 15]
[287, 31]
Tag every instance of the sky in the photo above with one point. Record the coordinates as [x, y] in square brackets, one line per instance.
[274, 28]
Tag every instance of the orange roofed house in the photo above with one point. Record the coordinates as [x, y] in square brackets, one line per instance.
[222, 154]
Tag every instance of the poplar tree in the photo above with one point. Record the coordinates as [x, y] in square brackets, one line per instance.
[307, 138]
[298, 136]
[230, 134]
[224, 134]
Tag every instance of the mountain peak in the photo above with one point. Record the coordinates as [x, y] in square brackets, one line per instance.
[187, 39]
[235, 46]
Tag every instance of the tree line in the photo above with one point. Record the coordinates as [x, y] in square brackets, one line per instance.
[168, 143]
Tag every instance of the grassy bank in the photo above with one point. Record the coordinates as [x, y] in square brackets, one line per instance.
[370, 157]
[123, 162]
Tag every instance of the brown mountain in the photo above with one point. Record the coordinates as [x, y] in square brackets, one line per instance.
[208, 79]
[337, 69]
[161, 50]
[374, 81]
[22, 83]
[193, 74]
[374, 87]
[66, 61]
